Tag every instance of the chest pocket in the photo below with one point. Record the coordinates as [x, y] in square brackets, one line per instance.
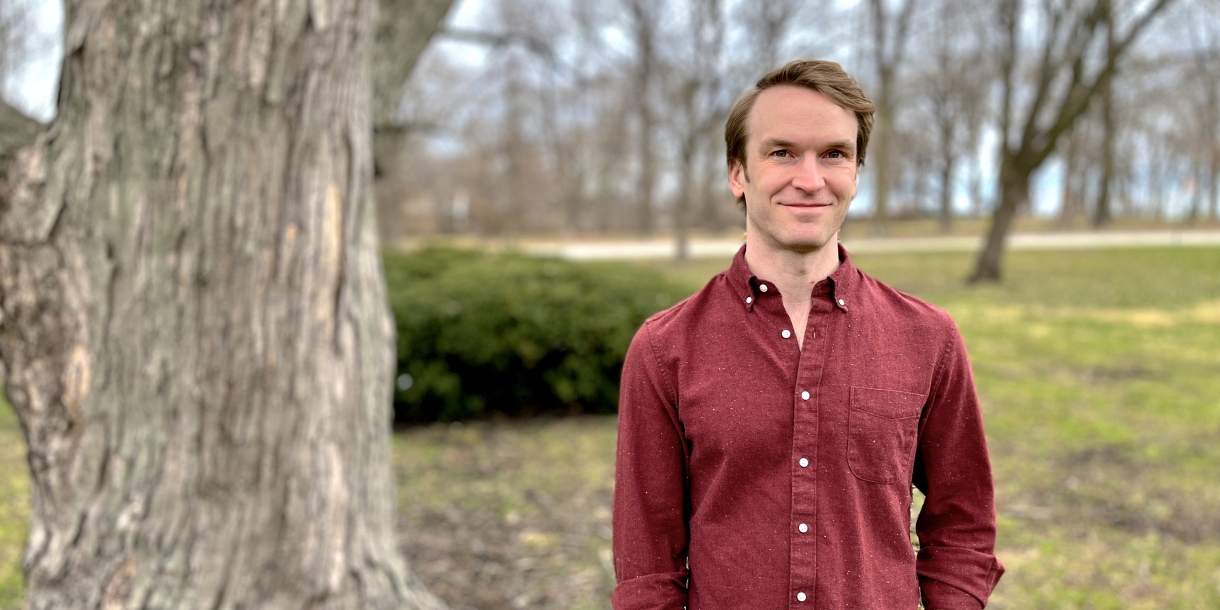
[883, 428]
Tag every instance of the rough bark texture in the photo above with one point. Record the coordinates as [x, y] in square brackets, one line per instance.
[16, 129]
[194, 331]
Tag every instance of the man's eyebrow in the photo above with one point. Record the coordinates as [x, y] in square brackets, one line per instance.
[770, 143]
[847, 145]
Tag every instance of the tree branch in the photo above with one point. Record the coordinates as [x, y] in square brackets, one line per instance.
[16, 129]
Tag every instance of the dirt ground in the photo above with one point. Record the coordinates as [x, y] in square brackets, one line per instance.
[514, 514]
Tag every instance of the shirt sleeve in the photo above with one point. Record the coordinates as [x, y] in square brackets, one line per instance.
[957, 566]
[650, 489]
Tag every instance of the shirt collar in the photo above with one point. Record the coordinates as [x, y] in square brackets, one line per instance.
[748, 287]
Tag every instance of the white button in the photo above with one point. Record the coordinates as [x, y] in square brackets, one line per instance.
[805, 395]
[786, 334]
[804, 528]
[804, 462]
[763, 288]
[800, 597]
[842, 302]
[749, 300]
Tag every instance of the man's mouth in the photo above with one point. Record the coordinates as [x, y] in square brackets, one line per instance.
[809, 204]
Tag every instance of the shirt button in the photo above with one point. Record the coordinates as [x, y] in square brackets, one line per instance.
[749, 300]
[804, 462]
[804, 528]
[763, 288]
[842, 302]
[786, 334]
[805, 395]
[800, 597]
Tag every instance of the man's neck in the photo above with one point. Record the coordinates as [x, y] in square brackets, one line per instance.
[794, 274]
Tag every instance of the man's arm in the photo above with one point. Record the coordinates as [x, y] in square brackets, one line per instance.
[957, 567]
[650, 522]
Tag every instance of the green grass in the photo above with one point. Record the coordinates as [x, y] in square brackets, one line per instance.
[14, 507]
[1099, 373]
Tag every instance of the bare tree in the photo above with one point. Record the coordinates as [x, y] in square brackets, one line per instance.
[699, 104]
[953, 84]
[891, 28]
[1205, 104]
[1076, 57]
[195, 332]
[644, 20]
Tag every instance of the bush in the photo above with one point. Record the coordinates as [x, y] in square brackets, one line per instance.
[481, 333]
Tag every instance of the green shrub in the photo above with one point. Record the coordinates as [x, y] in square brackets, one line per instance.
[481, 333]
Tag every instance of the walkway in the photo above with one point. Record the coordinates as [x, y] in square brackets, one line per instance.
[712, 248]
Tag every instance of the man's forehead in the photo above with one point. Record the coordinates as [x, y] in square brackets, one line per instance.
[783, 112]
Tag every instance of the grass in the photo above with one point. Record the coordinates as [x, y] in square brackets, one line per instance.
[1099, 373]
[14, 507]
[510, 514]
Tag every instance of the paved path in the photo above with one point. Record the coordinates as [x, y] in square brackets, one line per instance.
[712, 248]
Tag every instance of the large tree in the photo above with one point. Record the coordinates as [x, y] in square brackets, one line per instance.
[193, 326]
[1077, 47]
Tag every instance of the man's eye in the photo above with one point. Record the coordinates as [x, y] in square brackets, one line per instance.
[835, 154]
[781, 153]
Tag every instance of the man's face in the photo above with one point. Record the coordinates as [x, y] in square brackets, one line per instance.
[800, 173]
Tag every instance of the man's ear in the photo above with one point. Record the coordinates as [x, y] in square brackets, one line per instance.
[737, 178]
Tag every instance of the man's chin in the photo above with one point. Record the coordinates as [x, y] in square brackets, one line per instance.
[807, 245]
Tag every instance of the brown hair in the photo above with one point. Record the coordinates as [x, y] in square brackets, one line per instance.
[825, 77]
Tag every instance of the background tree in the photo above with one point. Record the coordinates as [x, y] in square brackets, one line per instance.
[1077, 51]
[951, 87]
[891, 29]
[194, 328]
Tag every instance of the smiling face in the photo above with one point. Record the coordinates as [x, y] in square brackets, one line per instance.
[800, 172]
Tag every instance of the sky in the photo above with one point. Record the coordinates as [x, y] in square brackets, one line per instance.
[32, 87]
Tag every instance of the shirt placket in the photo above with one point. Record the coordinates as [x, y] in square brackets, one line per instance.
[803, 518]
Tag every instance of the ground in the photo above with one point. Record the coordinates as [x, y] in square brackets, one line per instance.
[1097, 371]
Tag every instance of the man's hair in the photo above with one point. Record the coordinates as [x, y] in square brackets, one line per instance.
[825, 77]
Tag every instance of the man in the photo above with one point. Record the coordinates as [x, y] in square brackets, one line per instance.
[771, 425]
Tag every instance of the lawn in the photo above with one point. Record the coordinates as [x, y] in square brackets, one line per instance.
[14, 506]
[1099, 373]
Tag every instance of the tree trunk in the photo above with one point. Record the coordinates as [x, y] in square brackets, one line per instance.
[1103, 213]
[644, 145]
[1213, 182]
[1014, 192]
[195, 333]
[1071, 179]
[946, 191]
[880, 157]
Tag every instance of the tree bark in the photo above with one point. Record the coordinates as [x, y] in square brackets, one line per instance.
[1103, 213]
[194, 329]
[889, 50]
[1014, 193]
[1066, 39]
[643, 28]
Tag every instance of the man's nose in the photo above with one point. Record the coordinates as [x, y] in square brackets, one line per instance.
[808, 176]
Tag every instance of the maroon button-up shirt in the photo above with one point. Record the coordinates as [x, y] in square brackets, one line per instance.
[755, 474]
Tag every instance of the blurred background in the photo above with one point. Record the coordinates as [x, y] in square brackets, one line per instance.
[553, 172]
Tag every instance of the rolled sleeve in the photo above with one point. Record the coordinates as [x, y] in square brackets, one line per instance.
[956, 565]
[650, 498]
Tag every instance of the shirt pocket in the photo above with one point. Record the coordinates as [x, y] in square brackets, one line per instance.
[882, 432]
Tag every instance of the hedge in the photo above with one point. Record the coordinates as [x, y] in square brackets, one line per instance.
[482, 333]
